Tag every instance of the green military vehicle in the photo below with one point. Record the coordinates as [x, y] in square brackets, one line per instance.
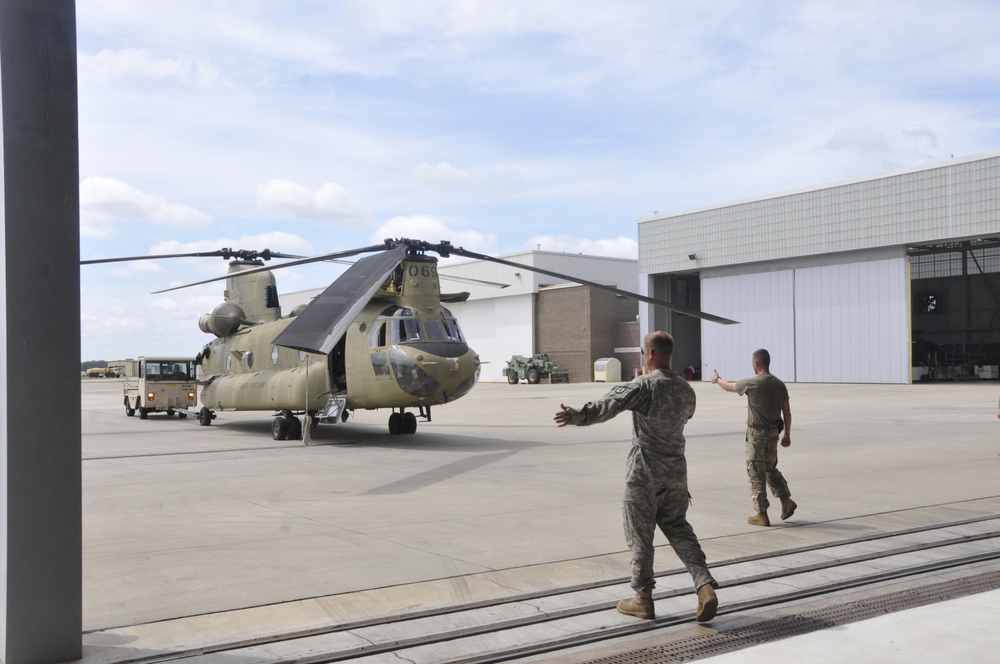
[533, 369]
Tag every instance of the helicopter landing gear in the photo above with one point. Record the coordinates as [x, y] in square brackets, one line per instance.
[402, 422]
[286, 427]
[205, 417]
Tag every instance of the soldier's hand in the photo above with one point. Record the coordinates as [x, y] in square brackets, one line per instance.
[786, 440]
[564, 416]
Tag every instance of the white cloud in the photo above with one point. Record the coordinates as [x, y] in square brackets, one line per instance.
[330, 202]
[864, 141]
[423, 227]
[619, 247]
[442, 174]
[139, 67]
[106, 201]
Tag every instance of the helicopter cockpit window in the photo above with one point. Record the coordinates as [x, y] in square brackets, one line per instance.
[400, 325]
[451, 328]
[405, 329]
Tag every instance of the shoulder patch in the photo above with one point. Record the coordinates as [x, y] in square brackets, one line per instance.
[622, 391]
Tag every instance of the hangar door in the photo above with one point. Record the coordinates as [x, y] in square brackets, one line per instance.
[844, 323]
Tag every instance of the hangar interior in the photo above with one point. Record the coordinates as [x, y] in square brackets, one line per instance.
[956, 309]
[892, 278]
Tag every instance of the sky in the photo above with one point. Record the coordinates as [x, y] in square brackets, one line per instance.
[312, 126]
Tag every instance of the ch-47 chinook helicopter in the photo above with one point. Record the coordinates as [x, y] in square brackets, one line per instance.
[380, 336]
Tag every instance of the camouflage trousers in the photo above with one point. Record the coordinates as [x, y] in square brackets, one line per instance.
[762, 467]
[668, 510]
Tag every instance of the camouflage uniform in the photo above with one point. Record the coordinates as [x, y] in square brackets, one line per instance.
[656, 491]
[765, 396]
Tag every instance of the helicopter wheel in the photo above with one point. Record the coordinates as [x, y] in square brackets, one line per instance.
[409, 423]
[143, 413]
[512, 377]
[294, 428]
[396, 424]
[279, 428]
[129, 410]
[205, 417]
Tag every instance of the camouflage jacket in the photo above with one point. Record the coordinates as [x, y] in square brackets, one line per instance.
[661, 403]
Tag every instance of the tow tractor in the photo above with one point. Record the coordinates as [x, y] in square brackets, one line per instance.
[533, 369]
[164, 384]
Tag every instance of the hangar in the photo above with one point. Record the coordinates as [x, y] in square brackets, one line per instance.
[890, 278]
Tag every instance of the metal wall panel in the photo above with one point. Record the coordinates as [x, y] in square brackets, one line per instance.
[763, 303]
[852, 323]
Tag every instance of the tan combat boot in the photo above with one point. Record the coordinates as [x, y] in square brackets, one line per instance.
[708, 603]
[640, 606]
[787, 508]
[759, 519]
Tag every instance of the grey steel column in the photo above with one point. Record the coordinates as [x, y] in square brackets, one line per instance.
[41, 614]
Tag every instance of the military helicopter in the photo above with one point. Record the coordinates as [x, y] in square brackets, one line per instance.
[380, 336]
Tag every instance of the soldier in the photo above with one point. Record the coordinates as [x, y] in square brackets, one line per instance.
[656, 490]
[768, 413]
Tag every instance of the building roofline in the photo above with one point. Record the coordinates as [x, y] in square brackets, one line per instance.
[828, 185]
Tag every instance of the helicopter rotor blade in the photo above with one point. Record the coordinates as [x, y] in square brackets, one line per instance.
[266, 254]
[635, 296]
[446, 277]
[323, 322]
[268, 268]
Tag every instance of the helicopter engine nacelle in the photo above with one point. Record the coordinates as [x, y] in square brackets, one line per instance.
[223, 321]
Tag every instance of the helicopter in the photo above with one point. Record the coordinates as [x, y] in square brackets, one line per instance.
[379, 337]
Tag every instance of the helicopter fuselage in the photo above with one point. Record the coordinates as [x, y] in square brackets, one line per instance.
[403, 350]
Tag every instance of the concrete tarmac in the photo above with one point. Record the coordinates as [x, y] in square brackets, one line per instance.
[190, 529]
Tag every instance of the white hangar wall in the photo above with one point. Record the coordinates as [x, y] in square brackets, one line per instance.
[839, 322]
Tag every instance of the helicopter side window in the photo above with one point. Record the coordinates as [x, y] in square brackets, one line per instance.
[377, 338]
[380, 364]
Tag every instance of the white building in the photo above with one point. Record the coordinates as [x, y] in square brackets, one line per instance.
[874, 280]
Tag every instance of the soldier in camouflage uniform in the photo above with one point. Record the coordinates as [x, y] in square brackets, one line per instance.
[656, 490]
[768, 413]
